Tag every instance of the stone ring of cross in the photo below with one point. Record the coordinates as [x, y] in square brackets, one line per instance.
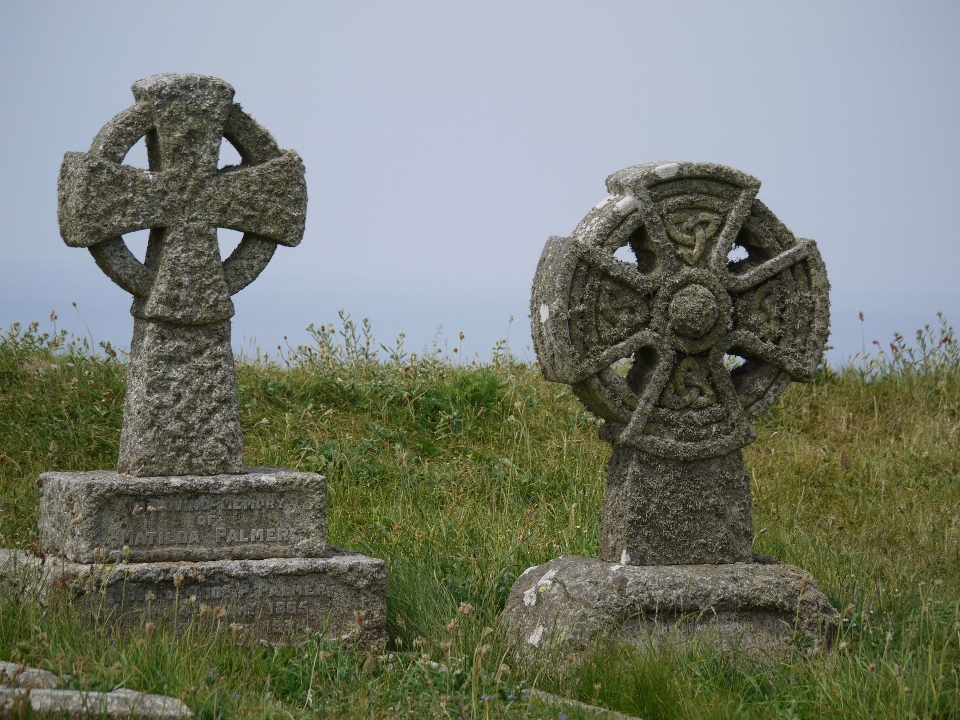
[681, 345]
[183, 198]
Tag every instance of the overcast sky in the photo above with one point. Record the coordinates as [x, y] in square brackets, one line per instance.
[446, 141]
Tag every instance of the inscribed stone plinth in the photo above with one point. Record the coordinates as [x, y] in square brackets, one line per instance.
[678, 311]
[102, 516]
[180, 414]
[341, 594]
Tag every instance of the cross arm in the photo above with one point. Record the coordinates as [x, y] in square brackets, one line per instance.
[99, 200]
[269, 200]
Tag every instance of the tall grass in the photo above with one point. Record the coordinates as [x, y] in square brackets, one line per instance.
[461, 475]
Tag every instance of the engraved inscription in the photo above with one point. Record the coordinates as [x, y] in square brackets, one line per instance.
[207, 521]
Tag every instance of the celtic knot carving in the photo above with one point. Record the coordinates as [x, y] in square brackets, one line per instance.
[682, 312]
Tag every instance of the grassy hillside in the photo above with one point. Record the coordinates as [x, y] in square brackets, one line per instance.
[460, 476]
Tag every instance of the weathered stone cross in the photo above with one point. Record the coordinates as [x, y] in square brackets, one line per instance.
[180, 414]
[677, 491]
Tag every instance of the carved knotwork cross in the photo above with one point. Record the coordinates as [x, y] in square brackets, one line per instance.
[679, 309]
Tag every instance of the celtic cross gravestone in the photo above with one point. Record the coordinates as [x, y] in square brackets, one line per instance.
[180, 414]
[678, 345]
[182, 518]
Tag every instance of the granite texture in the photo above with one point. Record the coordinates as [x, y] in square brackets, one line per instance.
[656, 511]
[102, 516]
[571, 603]
[342, 595]
[118, 704]
[181, 413]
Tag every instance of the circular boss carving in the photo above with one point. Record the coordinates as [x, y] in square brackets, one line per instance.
[681, 344]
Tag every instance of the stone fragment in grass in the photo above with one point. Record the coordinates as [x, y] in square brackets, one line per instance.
[116, 705]
[17, 675]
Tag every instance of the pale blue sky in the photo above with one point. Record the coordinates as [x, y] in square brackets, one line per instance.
[446, 141]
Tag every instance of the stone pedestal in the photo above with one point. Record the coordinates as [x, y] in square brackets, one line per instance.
[571, 603]
[247, 550]
[104, 516]
[341, 594]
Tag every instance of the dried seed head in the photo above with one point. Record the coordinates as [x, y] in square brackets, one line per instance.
[503, 671]
[218, 613]
[235, 629]
[465, 608]
[149, 627]
[177, 580]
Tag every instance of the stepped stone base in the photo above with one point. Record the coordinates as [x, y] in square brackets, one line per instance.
[105, 516]
[570, 603]
[343, 594]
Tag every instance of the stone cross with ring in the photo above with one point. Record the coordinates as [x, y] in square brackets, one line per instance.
[180, 414]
